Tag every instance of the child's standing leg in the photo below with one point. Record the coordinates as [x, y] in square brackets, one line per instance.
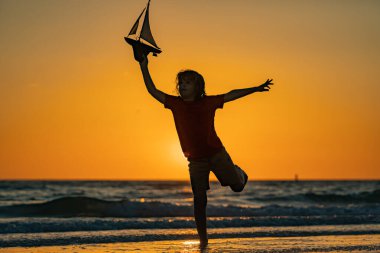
[199, 177]
[227, 173]
[200, 203]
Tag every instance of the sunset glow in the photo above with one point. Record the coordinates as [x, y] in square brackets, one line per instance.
[73, 104]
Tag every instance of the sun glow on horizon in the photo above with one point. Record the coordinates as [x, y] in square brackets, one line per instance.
[73, 103]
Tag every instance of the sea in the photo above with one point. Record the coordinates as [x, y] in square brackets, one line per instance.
[44, 213]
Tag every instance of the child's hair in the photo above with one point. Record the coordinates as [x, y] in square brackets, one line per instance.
[196, 77]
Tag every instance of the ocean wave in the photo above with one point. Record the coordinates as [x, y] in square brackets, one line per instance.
[368, 197]
[92, 207]
[40, 225]
[361, 197]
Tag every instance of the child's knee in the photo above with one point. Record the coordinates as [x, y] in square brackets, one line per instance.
[200, 199]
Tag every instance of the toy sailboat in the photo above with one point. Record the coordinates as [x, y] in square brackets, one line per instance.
[140, 37]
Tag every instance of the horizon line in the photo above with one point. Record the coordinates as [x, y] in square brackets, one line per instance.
[212, 180]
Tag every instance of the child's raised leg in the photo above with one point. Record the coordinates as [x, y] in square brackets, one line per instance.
[228, 173]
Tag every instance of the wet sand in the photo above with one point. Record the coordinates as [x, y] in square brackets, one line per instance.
[332, 243]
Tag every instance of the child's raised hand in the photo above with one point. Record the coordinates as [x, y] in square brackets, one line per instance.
[144, 62]
[265, 86]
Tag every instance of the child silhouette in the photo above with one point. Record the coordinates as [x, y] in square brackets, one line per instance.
[193, 113]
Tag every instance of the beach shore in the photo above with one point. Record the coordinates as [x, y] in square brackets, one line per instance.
[271, 216]
[332, 243]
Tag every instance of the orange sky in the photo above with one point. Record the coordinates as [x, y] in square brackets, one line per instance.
[73, 104]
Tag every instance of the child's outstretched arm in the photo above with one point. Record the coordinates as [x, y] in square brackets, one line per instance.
[157, 94]
[238, 93]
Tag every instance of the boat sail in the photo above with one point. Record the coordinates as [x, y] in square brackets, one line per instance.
[140, 37]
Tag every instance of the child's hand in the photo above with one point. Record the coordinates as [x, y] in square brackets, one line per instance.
[265, 86]
[144, 62]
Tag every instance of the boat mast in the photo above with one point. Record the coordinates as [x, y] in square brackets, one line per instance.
[141, 24]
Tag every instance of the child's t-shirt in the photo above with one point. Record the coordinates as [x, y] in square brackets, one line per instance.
[194, 122]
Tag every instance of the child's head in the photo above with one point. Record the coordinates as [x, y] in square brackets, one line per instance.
[190, 83]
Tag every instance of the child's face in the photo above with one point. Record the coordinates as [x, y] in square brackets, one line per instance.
[187, 89]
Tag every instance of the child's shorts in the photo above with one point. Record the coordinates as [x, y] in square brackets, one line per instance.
[221, 165]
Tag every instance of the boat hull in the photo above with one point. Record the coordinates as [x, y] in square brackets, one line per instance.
[140, 49]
